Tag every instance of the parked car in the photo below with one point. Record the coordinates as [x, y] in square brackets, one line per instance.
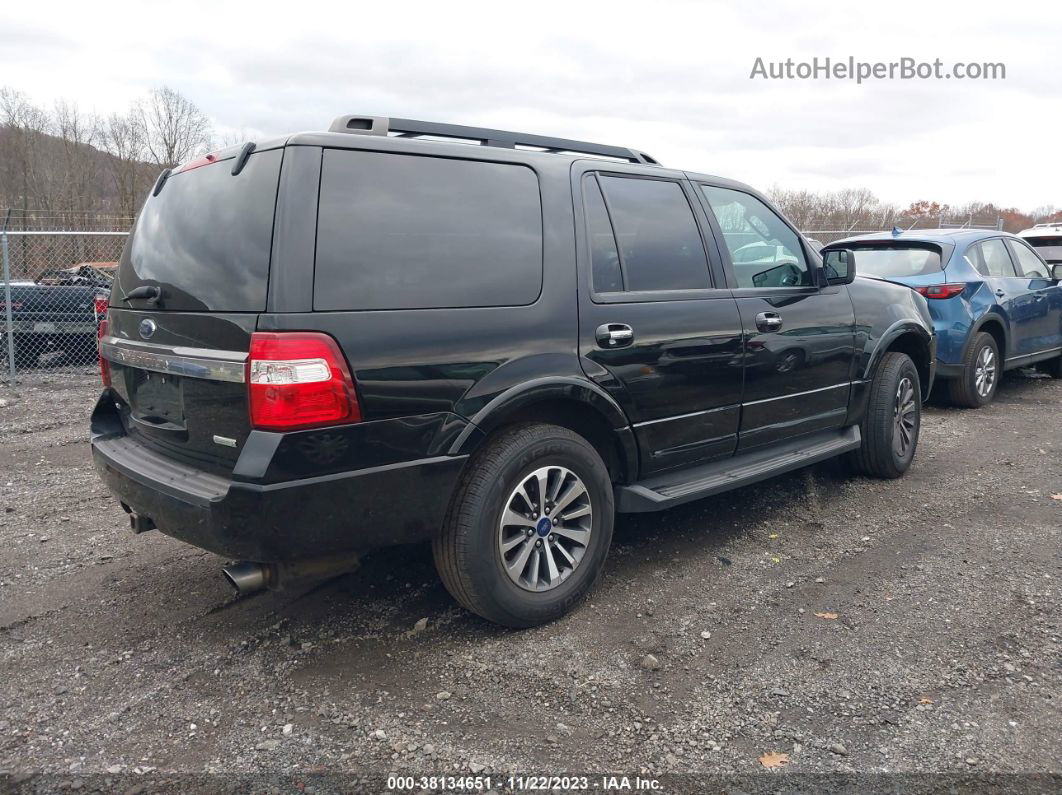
[996, 304]
[51, 319]
[86, 274]
[1047, 240]
[335, 341]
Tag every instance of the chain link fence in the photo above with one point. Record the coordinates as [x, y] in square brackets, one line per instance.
[57, 272]
[53, 294]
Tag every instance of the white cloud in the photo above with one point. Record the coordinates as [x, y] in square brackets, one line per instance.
[670, 78]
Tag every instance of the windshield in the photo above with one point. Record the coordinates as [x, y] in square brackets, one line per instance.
[897, 260]
[1050, 248]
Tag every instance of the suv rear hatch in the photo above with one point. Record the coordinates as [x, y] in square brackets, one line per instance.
[190, 285]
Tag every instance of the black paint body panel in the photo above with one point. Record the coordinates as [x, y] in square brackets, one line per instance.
[698, 384]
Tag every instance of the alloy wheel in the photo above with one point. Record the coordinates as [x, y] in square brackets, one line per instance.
[905, 412]
[544, 530]
[985, 371]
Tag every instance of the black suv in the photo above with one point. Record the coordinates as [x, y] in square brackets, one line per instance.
[374, 335]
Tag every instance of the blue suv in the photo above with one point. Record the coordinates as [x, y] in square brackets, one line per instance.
[996, 304]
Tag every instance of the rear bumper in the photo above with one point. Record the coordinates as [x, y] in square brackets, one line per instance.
[279, 522]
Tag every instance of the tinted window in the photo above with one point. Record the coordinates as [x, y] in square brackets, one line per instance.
[995, 259]
[1050, 248]
[205, 239]
[659, 244]
[604, 256]
[409, 232]
[765, 252]
[1028, 264]
[897, 260]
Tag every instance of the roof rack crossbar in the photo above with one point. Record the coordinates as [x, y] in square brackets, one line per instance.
[411, 128]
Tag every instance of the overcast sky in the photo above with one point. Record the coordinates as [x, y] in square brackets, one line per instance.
[669, 78]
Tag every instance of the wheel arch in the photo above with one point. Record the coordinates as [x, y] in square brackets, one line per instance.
[913, 340]
[581, 406]
[993, 324]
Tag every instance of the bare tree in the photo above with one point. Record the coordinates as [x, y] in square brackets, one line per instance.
[78, 160]
[174, 128]
[123, 138]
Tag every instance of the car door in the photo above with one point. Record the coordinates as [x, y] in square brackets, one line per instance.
[655, 330]
[1033, 274]
[799, 337]
[1016, 301]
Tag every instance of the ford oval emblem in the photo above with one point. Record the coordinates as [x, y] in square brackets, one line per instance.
[147, 328]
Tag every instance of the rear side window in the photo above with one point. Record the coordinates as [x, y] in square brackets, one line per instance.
[660, 247]
[205, 239]
[897, 260]
[414, 232]
[604, 255]
[994, 259]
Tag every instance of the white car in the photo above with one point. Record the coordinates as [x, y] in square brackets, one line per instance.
[1047, 240]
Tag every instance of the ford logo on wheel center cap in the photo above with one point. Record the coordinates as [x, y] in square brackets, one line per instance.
[147, 328]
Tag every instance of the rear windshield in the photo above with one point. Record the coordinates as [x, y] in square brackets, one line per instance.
[414, 232]
[897, 260]
[1050, 248]
[205, 239]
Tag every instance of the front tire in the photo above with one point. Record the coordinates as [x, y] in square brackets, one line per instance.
[893, 419]
[981, 371]
[500, 554]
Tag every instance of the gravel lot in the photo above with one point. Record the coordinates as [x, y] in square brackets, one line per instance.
[855, 625]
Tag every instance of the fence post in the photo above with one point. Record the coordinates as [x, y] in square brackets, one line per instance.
[7, 304]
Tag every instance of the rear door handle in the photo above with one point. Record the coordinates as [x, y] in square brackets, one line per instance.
[614, 335]
[1001, 293]
[768, 321]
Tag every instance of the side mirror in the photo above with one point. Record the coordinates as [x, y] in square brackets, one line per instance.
[1056, 271]
[839, 265]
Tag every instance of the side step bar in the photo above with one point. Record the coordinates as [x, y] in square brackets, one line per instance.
[675, 488]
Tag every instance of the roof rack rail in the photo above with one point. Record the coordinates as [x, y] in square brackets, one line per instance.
[410, 128]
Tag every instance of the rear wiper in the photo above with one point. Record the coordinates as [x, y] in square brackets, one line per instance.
[147, 292]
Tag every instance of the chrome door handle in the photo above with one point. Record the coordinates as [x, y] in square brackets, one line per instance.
[614, 335]
[768, 321]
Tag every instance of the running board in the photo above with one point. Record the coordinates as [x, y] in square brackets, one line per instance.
[674, 488]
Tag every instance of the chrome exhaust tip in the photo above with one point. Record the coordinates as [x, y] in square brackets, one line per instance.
[246, 577]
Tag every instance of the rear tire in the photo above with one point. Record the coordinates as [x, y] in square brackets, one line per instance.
[981, 372]
[892, 421]
[478, 552]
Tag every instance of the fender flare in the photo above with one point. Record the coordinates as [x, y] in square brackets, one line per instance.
[892, 333]
[576, 390]
[987, 317]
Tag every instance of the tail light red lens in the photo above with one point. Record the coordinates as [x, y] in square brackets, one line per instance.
[299, 379]
[99, 307]
[105, 366]
[941, 290]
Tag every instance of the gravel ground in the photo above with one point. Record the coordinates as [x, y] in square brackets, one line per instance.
[854, 625]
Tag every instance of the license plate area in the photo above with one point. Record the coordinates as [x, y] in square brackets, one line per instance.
[156, 399]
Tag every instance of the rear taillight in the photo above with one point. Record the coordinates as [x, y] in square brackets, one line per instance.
[99, 307]
[105, 367]
[941, 290]
[298, 379]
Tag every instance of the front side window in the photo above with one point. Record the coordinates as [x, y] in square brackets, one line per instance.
[1028, 264]
[764, 251]
[995, 261]
[660, 247]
